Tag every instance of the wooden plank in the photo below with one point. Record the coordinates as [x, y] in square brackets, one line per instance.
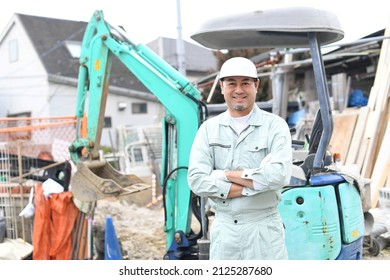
[369, 128]
[381, 168]
[381, 82]
[384, 119]
[343, 128]
[378, 129]
[356, 140]
[373, 92]
[381, 102]
[378, 103]
[387, 185]
[367, 140]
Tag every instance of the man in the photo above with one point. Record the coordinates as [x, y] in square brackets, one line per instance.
[240, 160]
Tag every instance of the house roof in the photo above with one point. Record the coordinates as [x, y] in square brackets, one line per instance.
[49, 37]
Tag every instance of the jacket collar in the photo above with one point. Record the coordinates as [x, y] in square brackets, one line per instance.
[257, 118]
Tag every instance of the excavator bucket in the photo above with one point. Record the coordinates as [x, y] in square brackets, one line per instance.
[97, 179]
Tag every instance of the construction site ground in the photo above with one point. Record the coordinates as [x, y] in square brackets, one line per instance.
[140, 229]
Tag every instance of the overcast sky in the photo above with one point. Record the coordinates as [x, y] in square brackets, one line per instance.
[145, 20]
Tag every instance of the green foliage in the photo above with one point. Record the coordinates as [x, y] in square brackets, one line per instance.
[106, 149]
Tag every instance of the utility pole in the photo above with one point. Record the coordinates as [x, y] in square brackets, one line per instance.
[181, 61]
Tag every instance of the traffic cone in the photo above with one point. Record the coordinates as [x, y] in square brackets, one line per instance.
[112, 250]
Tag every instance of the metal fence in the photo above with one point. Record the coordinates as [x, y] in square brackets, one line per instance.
[30, 148]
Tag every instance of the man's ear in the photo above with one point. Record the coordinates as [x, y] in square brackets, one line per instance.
[220, 85]
[258, 82]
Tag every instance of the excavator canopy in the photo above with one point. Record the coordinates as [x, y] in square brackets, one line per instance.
[286, 27]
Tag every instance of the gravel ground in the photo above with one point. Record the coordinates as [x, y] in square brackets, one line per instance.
[140, 230]
[383, 255]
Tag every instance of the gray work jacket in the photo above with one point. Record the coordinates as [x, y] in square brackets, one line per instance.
[217, 146]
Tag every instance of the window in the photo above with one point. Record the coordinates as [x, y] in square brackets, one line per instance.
[139, 108]
[135, 154]
[13, 51]
[74, 48]
[107, 122]
[138, 155]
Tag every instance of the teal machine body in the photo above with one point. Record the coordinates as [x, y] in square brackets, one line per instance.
[323, 220]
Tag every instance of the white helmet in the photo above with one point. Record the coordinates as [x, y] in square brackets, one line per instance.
[238, 66]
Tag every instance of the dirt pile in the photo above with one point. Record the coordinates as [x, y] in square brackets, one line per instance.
[139, 229]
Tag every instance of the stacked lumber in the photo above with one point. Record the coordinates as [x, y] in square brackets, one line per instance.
[362, 135]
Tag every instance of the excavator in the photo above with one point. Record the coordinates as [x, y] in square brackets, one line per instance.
[321, 208]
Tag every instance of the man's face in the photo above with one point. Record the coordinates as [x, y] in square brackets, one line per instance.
[240, 94]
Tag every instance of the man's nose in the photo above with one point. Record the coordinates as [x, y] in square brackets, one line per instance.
[239, 89]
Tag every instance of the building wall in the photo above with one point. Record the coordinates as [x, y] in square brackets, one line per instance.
[23, 83]
[126, 117]
[62, 102]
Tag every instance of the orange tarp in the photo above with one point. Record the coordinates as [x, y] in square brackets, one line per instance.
[54, 221]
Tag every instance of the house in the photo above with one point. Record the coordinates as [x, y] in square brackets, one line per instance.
[39, 64]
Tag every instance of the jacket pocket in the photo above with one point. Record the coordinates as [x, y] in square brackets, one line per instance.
[255, 152]
[220, 151]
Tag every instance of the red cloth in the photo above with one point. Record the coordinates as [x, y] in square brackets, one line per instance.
[54, 221]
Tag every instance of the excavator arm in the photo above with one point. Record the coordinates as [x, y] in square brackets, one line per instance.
[96, 179]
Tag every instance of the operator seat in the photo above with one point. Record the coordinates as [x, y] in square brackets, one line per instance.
[302, 172]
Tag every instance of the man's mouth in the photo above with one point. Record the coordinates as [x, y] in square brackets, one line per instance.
[239, 98]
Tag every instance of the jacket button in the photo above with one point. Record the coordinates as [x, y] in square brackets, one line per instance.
[246, 175]
[223, 202]
[235, 221]
[222, 195]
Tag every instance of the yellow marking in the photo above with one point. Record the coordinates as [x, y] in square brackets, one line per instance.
[97, 65]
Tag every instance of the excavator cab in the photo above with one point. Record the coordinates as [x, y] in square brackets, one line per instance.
[323, 216]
